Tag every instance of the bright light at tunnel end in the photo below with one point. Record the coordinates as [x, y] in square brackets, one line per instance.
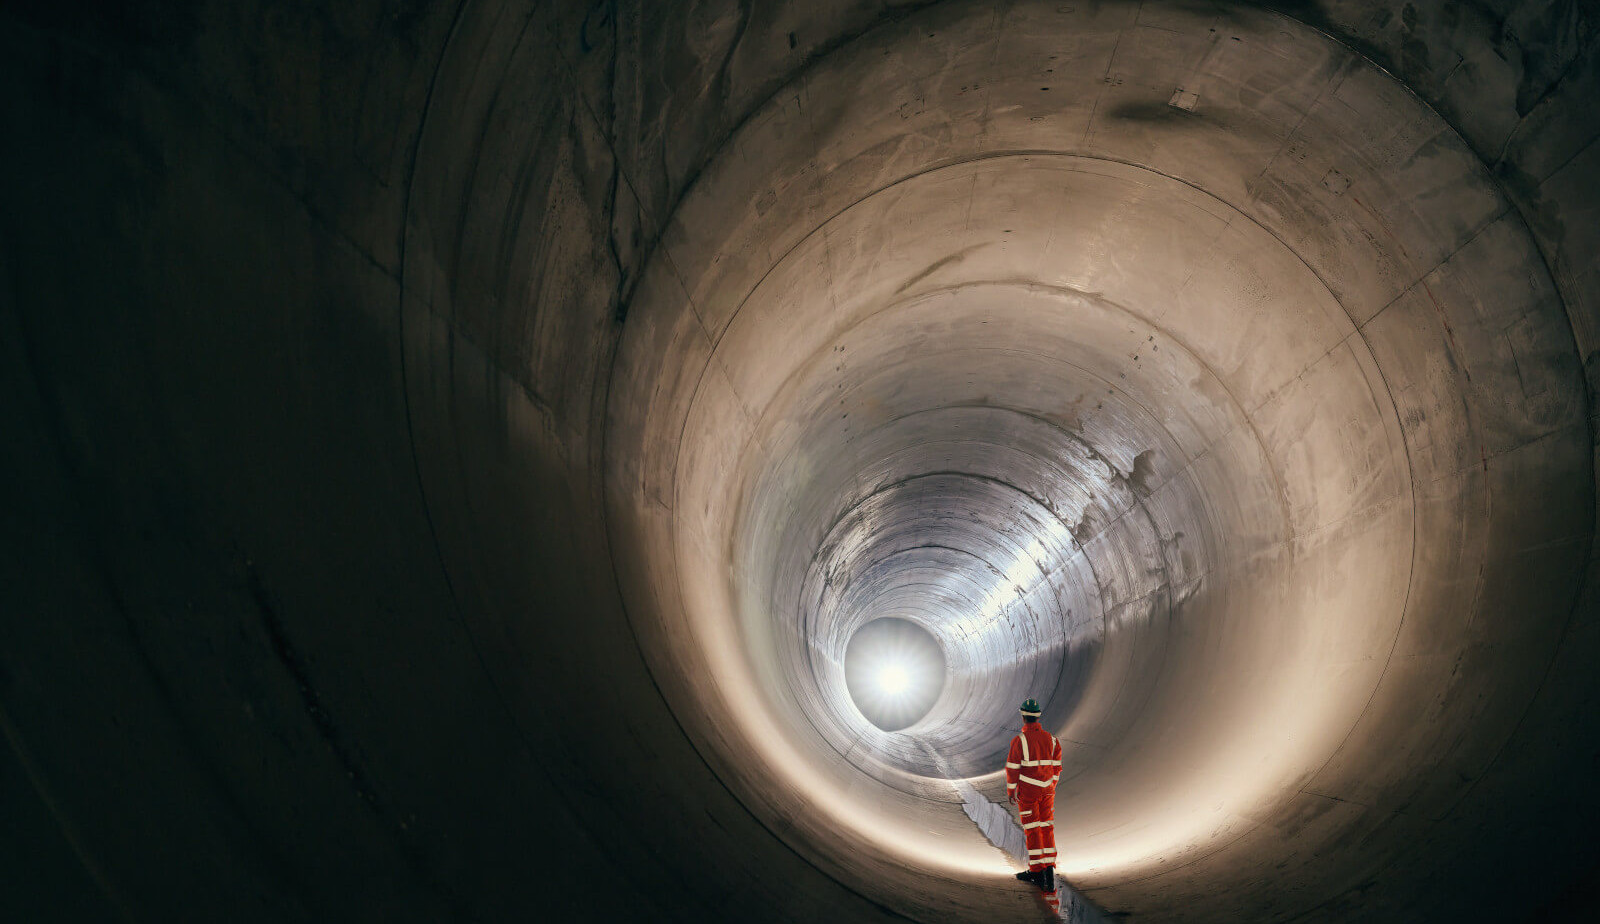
[894, 671]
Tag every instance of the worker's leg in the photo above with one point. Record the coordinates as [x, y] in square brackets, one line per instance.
[1033, 833]
[1044, 814]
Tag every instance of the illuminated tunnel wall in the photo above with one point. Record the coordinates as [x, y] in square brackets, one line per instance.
[456, 447]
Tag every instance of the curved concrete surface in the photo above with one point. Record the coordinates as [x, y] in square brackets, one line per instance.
[453, 447]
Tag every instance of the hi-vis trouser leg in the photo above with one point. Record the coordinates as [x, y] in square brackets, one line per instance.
[1039, 828]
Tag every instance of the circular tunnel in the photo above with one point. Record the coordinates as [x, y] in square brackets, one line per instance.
[556, 446]
[1132, 410]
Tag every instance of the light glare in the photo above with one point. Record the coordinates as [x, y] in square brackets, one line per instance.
[894, 671]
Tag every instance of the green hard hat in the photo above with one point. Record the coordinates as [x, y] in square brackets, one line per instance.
[1031, 707]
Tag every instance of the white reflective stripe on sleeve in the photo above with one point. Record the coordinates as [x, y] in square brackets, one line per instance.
[1037, 782]
[1011, 766]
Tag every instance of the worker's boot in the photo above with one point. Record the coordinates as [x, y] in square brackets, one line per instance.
[1047, 879]
[1029, 875]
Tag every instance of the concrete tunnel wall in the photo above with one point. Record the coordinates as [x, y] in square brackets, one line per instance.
[451, 447]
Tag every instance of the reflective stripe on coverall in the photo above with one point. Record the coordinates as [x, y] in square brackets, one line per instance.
[1032, 769]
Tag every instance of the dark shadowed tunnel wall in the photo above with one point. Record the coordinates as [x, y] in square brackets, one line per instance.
[451, 448]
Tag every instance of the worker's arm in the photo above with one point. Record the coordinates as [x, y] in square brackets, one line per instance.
[1013, 768]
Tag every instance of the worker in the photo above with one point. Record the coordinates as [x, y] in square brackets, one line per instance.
[1032, 769]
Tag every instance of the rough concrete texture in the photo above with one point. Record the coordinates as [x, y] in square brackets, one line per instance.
[449, 447]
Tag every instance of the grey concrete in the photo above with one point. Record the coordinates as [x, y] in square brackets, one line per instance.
[448, 448]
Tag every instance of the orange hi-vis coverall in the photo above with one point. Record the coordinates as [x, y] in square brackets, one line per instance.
[1032, 769]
